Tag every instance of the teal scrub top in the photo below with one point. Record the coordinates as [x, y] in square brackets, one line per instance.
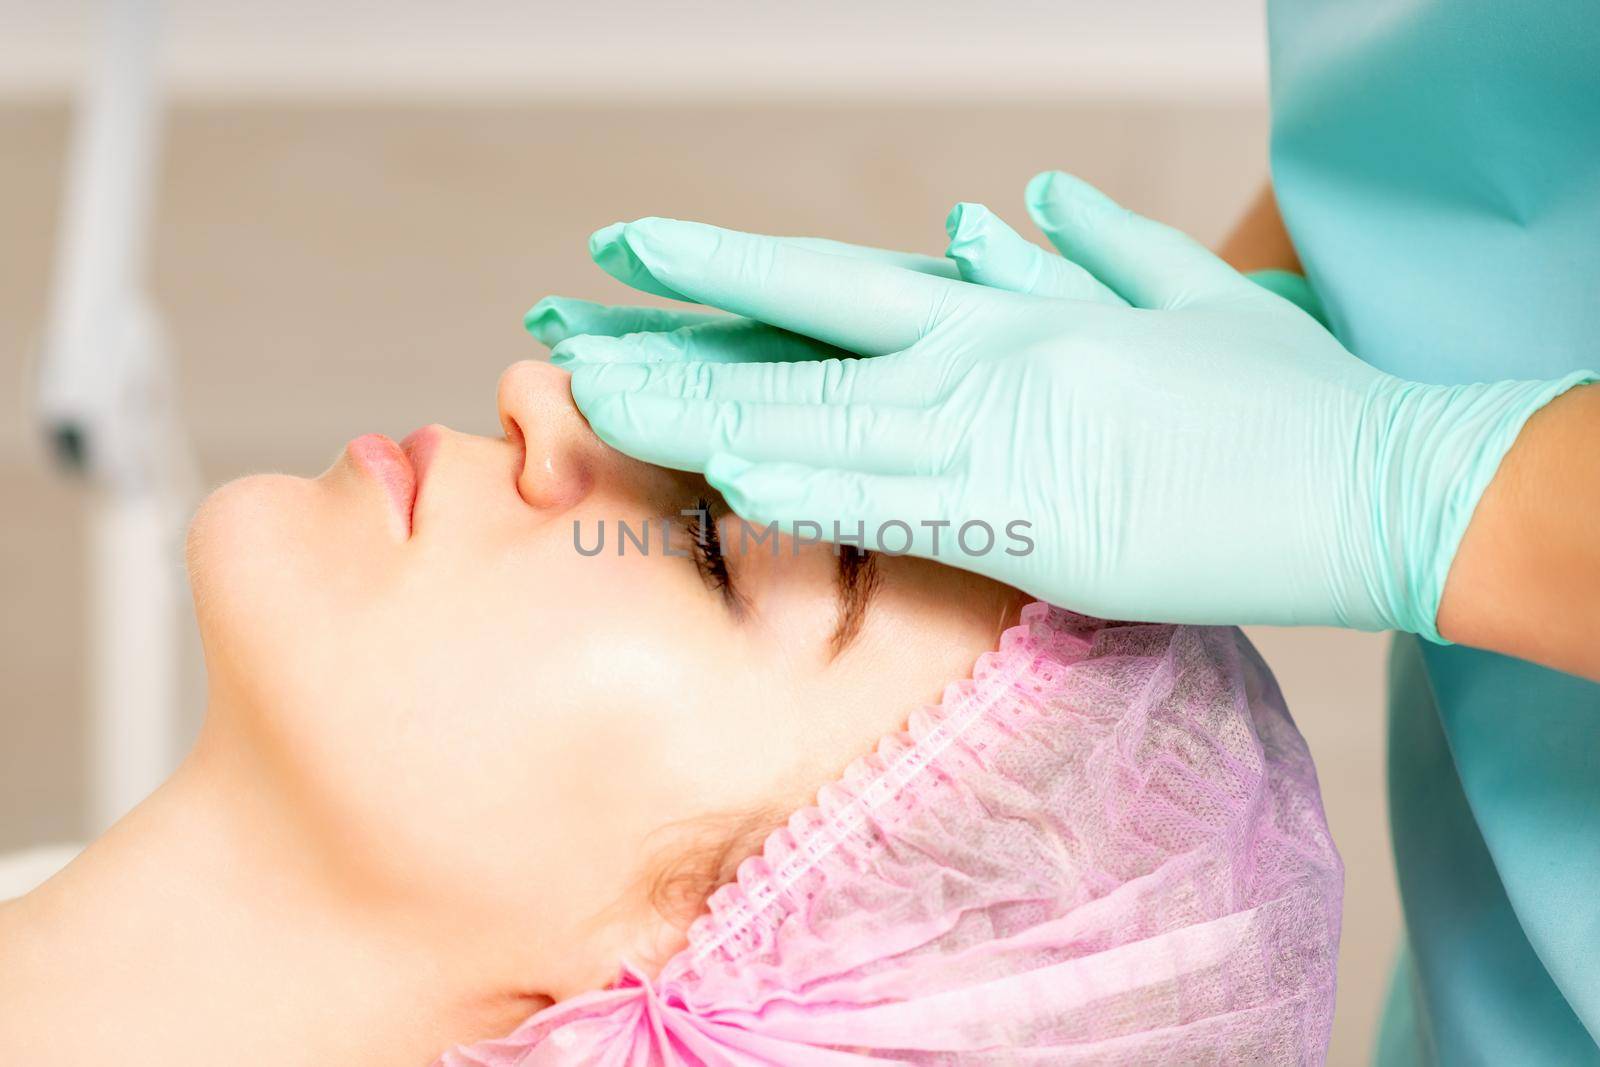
[1437, 164]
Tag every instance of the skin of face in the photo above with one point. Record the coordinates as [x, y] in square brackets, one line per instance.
[461, 715]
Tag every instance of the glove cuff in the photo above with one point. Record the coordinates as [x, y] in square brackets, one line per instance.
[1293, 288]
[1443, 447]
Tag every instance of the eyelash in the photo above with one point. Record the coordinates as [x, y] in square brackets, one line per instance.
[706, 545]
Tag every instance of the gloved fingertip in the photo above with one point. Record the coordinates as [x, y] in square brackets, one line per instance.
[1055, 192]
[612, 251]
[584, 349]
[546, 321]
[968, 228]
[727, 475]
[724, 468]
[966, 221]
[606, 237]
[579, 384]
[1040, 188]
[952, 221]
[561, 354]
[601, 392]
[659, 239]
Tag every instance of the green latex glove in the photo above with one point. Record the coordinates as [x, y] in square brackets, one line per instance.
[1207, 454]
[982, 249]
[714, 337]
[988, 252]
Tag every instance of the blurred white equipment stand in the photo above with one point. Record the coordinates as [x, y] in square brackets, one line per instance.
[106, 402]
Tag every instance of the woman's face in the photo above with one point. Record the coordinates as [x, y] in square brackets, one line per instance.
[467, 714]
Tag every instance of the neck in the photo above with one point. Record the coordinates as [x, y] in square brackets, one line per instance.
[200, 930]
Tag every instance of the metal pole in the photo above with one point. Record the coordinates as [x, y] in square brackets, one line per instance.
[107, 405]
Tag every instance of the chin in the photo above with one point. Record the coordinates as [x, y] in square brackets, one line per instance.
[246, 554]
[236, 522]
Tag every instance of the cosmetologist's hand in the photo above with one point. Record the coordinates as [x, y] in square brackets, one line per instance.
[1173, 441]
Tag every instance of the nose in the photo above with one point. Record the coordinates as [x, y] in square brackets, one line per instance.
[561, 455]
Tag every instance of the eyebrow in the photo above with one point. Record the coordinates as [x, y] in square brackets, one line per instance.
[857, 579]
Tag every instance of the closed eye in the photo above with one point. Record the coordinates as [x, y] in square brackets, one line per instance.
[705, 551]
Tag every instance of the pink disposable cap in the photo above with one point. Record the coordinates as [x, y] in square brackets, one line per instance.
[1108, 846]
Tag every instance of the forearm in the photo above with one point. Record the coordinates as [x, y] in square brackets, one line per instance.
[1526, 579]
[1259, 241]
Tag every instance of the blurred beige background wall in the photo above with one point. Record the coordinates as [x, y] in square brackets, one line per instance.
[335, 255]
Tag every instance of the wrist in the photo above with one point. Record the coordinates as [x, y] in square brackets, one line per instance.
[1525, 578]
[1441, 447]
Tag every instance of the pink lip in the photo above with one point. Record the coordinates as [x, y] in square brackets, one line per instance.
[419, 447]
[389, 465]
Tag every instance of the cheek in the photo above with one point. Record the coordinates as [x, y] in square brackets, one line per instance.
[498, 720]
[586, 665]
